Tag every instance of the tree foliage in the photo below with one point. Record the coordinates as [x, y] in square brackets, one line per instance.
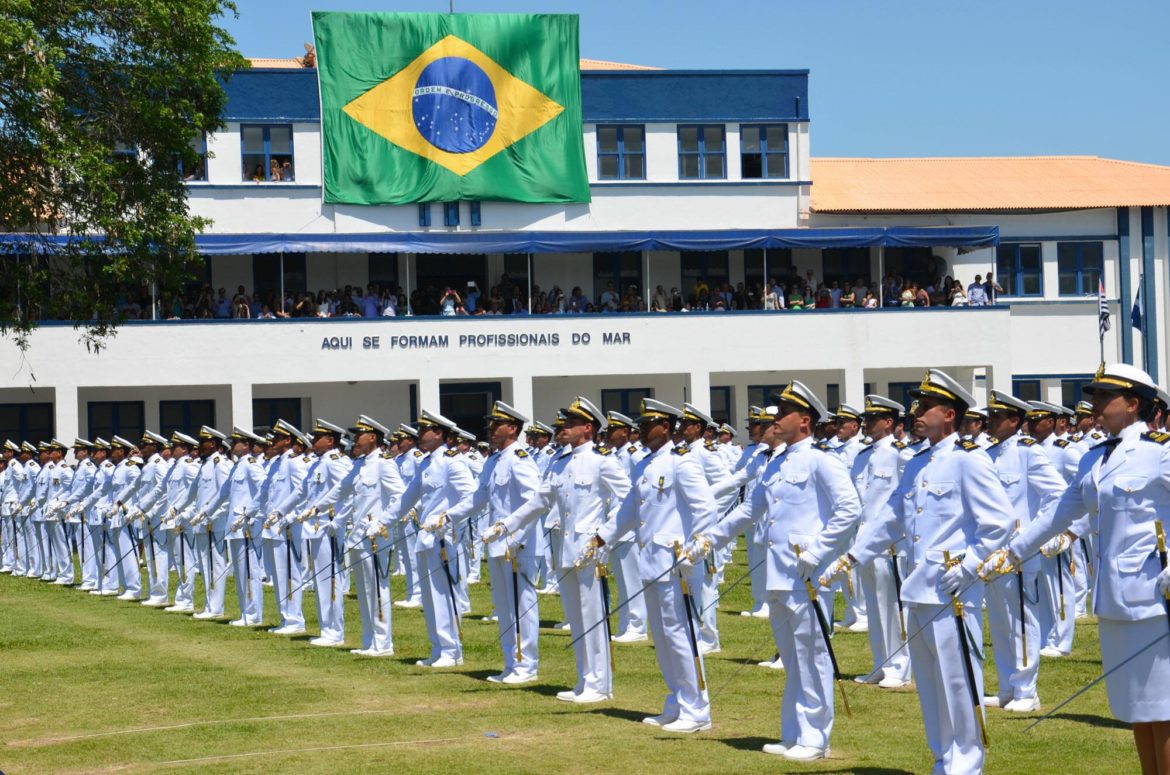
[99, 105]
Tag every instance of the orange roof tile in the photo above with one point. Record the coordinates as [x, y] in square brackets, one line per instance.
[987, 184]
[586, 64]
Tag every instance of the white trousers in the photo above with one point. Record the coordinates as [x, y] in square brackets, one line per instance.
[182, 559]
[439, 599]
[62, 567]
[806, 710]
[581, 599]
[212, 562]
[632, 616]
[505, 585]
[158, 569]
[667, 615]
[1057, 603]
[886, 642]
[404, 541]
[281, 556]
[326, 566]
[948, 710]
[371, 578]
[121, 561]
[1017, 681]
[249, 590]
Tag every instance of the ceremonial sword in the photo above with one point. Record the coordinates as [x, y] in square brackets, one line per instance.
[965, 648]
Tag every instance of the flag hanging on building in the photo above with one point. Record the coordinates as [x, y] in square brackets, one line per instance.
[1135, 314]
[443, 107]
[1102, 308]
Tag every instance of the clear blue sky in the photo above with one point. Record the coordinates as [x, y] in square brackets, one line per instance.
[888, 77]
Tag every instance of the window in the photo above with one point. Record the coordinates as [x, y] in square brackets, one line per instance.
[1026, 389]
[763, 151]
[708, 267]
[467, 403]
[1079, 265]
[1073, 390]
[832, 396]
[26, 422]
[844, 266]
[267, 151]
[702, 152]
[185, 416]
[759, 265]
[721, 405]
[199, 170]
[621, 153]
[761, 395]
[475, 213]
[383, 270]
[623, 270]
[1018, 266]
[516, 267]
[450, 213]
[122, 418]
[628, 401]
[266, 411]
[900, 392]
[424, 215]
[266, 274]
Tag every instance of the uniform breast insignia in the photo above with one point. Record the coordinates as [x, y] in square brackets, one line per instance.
[966, 444]
[521, 453]
[1027, 441]
[452, 452]
[603, 450]
[1157, 437]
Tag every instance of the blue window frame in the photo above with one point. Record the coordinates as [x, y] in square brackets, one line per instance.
[1020, 268]
[123, 418]
[450, 213]
[761, 395]
[1073, 390]
[623, 269]
[1079, 265]
[702, 152]
[721, 407]
[475, 213]
[424, 215]
[266, 411]
[707, 266]
[628, 401]
[26, 422]
[267, 151]
[1026, 389]
[763, 150]
[198, 172]
[185, 416]
[900, 392]
[621, 152]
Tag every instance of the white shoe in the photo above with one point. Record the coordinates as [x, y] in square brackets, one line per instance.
[992, 701]
[568, 695]
[326, 642]
[872, 678]
[360, 652]
[180, 609]
[425, 662]
[129, 596]
[288, 629]
[776, 749]
[658, 721]
[408, 604]
[858, 626]
[498, 678]
[379, 653]
[563, 626]
[805, 753]
[630, 636]
[588, 696]
[63, 582]
[446, 662]
[489, 619]
[1024, 705]
[204, 615]
[548, 591]
[109, 593]
[762, 613]
[1053, 651]
[686, 727]
[775, 664]
[515, 679]
[705, 649]
[87, 587]
[156, 602]
[5, 569]
[237, 623]
[47, 577]
[895, 683]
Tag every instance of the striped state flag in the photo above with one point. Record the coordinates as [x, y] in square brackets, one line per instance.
[1102, 308]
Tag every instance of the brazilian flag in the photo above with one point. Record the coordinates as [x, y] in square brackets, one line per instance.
[442, 107]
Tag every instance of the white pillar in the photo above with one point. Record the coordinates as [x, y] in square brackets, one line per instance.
[739, 399]
[700, 393]
[852, 387]
[66, 421]
[428, 393]
[522, 394]
[241, 405]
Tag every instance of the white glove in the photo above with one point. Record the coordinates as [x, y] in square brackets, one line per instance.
[494, 533]
[1164, 582]
[955, 579]
[807, 562]
[685, 566]
[435, 524]
[376, 530]
[1057, 545]
[697, 549]
[840, 566]
[998, 563]
[592, 551]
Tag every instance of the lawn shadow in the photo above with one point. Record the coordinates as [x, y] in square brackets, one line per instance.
[1081, 718]
[625, 714]
[854, 771]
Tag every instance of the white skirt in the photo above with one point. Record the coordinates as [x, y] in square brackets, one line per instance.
[1140, 690]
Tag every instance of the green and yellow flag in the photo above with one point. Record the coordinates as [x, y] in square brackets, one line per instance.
[442, 107]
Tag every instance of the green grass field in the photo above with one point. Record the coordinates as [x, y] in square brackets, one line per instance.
[96, 685]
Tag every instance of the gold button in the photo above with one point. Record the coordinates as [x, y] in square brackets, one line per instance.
[641, 545]
[641, 501]
[770, 543]
[917, 538]
[920, 510]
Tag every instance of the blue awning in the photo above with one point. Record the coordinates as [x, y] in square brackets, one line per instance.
[567, 241]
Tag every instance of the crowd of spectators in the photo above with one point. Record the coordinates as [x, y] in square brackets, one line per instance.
[508, 297]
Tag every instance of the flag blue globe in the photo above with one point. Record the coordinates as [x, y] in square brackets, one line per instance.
[454, 105]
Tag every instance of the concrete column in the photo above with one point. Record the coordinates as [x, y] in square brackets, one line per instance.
[852, 387]
[739, 399]
[522, 394]
[241, 406]
[428, 393]
[66, 413]
[700, 392]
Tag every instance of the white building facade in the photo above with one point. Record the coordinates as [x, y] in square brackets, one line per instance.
[695, 176]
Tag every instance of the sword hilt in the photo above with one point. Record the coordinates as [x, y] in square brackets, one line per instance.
[1158, 531]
